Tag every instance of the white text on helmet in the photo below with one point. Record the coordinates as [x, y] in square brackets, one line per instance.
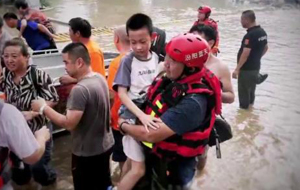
[196, 55]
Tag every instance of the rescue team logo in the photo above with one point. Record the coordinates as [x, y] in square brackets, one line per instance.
[196, 55]
[176, 92]
[246, 41]
[262, 38]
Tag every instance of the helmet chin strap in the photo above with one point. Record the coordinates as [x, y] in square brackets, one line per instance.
[207, 16]
[187, 71]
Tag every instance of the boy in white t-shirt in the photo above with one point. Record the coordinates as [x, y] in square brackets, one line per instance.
[135, 74]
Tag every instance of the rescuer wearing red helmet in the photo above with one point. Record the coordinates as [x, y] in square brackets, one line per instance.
[204, 18]
[187, 100]
[204, 12]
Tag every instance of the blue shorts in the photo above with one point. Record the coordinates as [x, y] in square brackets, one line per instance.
[125, 113]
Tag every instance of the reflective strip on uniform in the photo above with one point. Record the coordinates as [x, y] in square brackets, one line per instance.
[159, 105]
[152, 114]
[147, 144]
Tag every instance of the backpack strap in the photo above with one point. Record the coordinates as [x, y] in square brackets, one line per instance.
[4, 74]
[33, 74]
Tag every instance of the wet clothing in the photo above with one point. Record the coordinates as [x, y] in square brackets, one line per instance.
[35, 39]
[247, 81]
[97, 57]
[21, 95]
[256, 40]
[92, 136]
[92, 172]
[15, 135]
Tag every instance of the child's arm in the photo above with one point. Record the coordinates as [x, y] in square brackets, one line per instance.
[147, 120]
[22, 28]
[45, 30]
[161, 68]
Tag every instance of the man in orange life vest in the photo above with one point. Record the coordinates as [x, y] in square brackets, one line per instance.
[203, 18]
[186, 100]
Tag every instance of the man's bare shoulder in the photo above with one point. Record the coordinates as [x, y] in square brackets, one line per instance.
[217, 66]
[221, 64]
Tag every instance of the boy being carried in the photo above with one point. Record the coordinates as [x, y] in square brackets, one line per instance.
[135, 74]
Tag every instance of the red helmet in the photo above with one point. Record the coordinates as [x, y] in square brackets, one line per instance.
[189, 49]
[205, 10]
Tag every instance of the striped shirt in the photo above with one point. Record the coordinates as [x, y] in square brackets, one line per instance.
[21, 95]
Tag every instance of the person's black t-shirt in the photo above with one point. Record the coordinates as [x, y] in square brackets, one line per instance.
[256, 40]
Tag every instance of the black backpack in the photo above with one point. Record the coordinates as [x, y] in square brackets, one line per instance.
[159, 43]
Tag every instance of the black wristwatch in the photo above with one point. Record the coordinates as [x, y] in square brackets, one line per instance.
[121, 129]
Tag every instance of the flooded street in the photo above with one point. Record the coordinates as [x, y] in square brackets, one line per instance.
[265, 150]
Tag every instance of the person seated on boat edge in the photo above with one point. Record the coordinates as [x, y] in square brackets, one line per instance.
[87, 117]
[80, 30]
[16, 136]
[122, 44]
[36, 35]
[220, 69]
[29, 14]
[4, 37]
[204, 13]
[31, 83]
[187, 100]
